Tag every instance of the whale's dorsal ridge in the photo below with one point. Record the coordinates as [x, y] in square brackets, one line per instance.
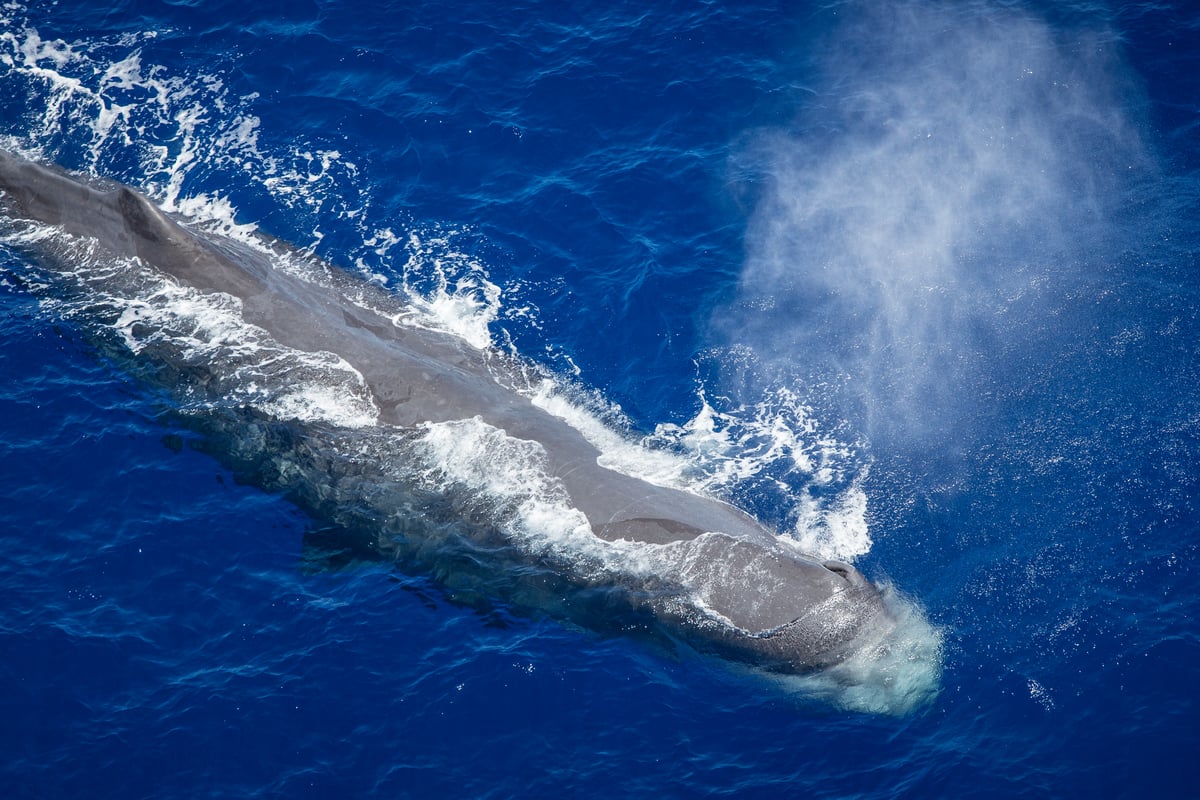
[650, 530]
[139, 216]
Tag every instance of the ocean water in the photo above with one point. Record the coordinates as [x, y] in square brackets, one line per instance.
[913, 283]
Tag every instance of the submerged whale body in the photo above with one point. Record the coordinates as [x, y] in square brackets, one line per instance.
[456, 470]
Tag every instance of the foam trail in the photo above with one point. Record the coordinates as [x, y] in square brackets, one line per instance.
[948, 163]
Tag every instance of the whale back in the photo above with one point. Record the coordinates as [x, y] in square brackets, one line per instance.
[699, 565]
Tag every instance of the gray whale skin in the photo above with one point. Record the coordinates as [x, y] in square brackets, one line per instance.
[763, 603]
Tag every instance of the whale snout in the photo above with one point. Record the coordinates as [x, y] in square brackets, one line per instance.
[828, 633]
[777, 609]
[820, 636]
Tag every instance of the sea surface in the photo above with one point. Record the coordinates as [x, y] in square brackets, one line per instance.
[915, 283]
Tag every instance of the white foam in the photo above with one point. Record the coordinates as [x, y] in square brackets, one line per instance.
[715, 452]
[208, 328]
[835, 530]
[102, 91]
[534, 509]
[447, 290]
[778, 445]
[617, 451]
[510, 475]
[204, 334]
[315, 402]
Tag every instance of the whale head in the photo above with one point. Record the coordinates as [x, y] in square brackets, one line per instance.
[765, 604]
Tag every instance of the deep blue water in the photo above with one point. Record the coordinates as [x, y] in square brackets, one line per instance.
[947, 251]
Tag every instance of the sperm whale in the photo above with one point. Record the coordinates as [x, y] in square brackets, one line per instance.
[703, 571]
